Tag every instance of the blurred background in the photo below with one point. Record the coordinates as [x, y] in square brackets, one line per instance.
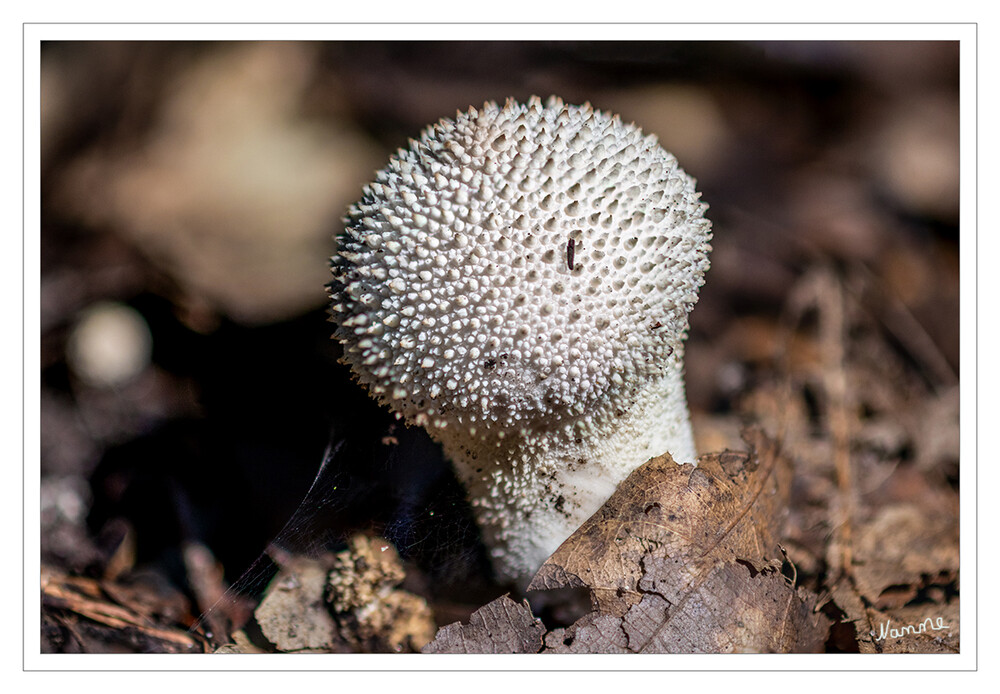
[191, 193]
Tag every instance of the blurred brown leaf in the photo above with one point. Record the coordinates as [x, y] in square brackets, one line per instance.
[235, 191]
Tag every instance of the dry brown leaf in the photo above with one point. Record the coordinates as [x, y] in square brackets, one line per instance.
[925, 628]
[904, 546]
[902, 594]
[592, 633]
[695, 516]
[502, 626]
[928, 627]
[686, 559]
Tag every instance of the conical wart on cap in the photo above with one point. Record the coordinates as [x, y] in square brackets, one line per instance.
[518, 281]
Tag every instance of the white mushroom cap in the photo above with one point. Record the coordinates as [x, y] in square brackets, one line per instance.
[519, 281]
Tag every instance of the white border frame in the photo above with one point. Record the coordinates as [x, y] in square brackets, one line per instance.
[966, 34]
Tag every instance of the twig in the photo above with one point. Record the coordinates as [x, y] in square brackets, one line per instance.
[832, 334]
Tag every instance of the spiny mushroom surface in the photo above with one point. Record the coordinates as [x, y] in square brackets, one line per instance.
[518, 281]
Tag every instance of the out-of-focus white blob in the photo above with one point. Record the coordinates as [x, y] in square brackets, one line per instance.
[110, 345]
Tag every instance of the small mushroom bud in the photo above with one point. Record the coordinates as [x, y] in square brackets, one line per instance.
[518, 281]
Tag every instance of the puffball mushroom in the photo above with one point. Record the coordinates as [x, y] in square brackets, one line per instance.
[518, 281]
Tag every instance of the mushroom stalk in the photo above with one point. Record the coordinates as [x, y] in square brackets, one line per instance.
[518, 281]
[532, 489]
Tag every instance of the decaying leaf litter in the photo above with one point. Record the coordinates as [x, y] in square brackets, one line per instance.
[828, 325]
[684, 559]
